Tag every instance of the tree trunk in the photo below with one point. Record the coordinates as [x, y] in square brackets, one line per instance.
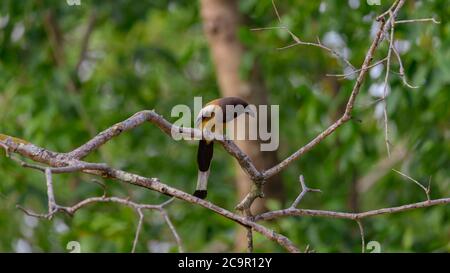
[221, 20]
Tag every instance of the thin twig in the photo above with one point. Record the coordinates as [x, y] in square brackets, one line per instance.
[361, 232]
[418, 21]
[385, 87]
[276, 11]
[138, 229]
[305, 189]
[401, 72]
[172, 229]
[357, 70]
[426, 190]
[384, 14]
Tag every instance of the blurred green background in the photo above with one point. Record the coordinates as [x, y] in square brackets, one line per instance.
[154, 55]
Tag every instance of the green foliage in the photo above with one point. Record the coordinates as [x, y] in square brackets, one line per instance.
[153, 55]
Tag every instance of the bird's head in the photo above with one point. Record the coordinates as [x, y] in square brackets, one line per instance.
[223, 110]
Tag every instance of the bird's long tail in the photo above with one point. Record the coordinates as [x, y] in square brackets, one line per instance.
[204, 157]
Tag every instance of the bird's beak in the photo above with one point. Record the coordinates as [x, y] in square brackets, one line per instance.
[250, 112]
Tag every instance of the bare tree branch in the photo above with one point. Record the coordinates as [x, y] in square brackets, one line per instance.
[348, 215]
[344, 118]
[53, 207]
[54, 159]
[382, 28]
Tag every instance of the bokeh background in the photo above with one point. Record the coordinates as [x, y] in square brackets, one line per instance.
[154, 55]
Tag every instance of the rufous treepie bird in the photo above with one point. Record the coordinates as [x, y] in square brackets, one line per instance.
[213, 118]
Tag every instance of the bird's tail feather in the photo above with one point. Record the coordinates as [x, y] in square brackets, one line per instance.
[204, 157]
[202, 183]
